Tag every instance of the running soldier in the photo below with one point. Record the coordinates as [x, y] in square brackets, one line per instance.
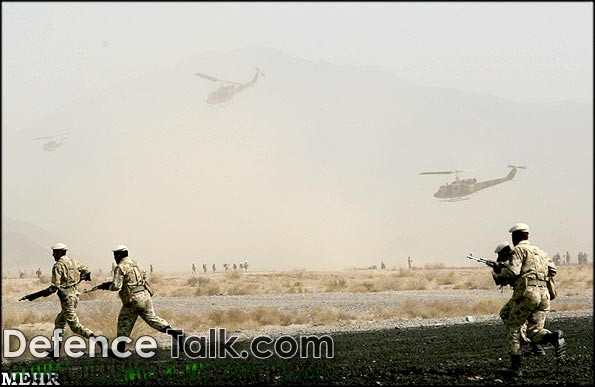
[529, 269]
[130, 281]
[504, 250]
[67, 273]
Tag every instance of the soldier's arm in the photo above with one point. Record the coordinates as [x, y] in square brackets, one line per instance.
[512, 268]
[118, 280]
[515, 262]
[551, 267]
[143, 272]
[57, 271]
[82, 268]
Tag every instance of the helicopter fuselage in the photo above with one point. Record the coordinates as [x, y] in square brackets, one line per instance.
[222, 94]
[458, 188]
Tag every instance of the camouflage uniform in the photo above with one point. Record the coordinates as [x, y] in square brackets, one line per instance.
[529, 269]
[129, 281]
[65, 275]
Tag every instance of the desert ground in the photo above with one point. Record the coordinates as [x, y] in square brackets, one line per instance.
[425, 326]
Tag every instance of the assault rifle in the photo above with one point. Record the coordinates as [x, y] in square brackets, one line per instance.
[101, 286]
[34, 296]
[483, 260]
[493, 264]
[84, 276]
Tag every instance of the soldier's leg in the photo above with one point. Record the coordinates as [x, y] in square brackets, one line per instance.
[536, 329]
[147, 313]
[126, 320]
[505, 311]
[69, 308]
[520, 310]
[536, 320]
[60, 321]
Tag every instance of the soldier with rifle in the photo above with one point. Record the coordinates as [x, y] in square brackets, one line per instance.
[531, 272]
[67, 273]
[130, 281]
[504, 250]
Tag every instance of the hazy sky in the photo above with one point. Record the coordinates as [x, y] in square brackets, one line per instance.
[54, 54]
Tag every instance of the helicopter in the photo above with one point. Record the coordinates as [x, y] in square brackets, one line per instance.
[460, 189]
[52, 145]
[226, 92]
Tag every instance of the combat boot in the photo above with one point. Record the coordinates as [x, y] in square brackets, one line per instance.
[557, 340]
[515, 367]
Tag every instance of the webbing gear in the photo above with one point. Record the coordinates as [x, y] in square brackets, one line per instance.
[536, 282]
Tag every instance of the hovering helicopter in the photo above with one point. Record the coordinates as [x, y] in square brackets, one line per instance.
[459, 189]
[227, 92]
[52, 145]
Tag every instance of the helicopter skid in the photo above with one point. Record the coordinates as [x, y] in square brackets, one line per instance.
[454, 199]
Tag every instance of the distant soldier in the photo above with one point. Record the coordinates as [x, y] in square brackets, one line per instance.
[246, 266]
[382, 265]
[22, 274]
[241, 265]
[130, 281]
[113, 268]
[235, 267]
[67, 273]
[150, 269]
[567, 258]
[204, 268]
[213, 267]
[38, 272]
[226, 266]
[194, 268]
[409, 260]
[557, 260]
[585, 259]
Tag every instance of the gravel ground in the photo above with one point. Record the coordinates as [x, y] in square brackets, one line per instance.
[349, 302]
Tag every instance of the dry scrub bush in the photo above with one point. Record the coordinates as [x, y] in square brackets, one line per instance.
[208, 290]
[413, 309]
[448, 278]
[333, 284]
[329, 316]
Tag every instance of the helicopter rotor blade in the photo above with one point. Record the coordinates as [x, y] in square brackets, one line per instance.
[47, 137]
[517, 166]
[437, 173]
[210, 78]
